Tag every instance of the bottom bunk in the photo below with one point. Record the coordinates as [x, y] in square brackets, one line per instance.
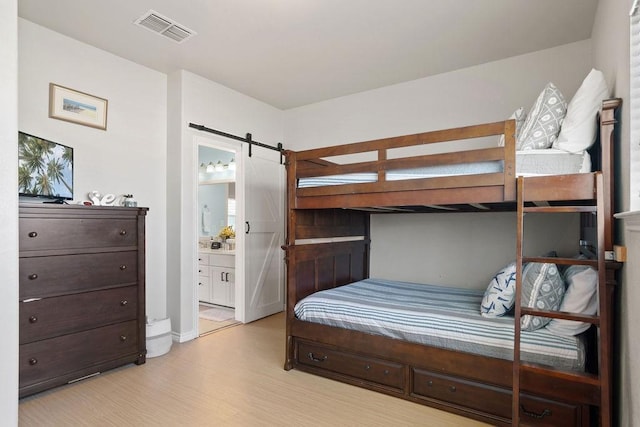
[373, 334]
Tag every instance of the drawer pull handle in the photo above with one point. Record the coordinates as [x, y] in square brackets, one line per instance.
[124, 302]
[430, 383]
[123, 338]
[123, 232]
[222, 276]
[386, 372]
[33, 319]
[367, 367]
[33, 276]
[452, 388]
[33, 234]
[123, 267]
[33, 361]
[534, 415]
[316, 359]
[226, 277]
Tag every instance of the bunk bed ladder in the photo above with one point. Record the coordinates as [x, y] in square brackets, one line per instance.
[601, 380]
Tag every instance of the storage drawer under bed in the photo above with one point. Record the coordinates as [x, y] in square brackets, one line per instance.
[369, 369]
[492, 400]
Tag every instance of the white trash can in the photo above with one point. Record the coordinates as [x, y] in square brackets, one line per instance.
[158, 337]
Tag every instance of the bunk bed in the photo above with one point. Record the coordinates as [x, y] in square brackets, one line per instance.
[330, 201]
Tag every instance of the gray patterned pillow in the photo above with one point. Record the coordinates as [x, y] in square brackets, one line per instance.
[542, 126]
[542, 289]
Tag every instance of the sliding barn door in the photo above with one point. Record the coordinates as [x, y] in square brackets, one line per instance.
[264, 215]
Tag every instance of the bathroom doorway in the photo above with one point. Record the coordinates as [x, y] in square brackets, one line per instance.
[217, 219]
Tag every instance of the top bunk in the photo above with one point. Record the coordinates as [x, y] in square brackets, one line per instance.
[460, 169]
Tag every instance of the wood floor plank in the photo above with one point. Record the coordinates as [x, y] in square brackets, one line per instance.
[233, 377]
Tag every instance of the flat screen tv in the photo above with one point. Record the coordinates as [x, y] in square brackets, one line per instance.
[45, 168]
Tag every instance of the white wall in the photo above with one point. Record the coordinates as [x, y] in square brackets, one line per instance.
[483, 93]
[130, 156]
[193, 99]
[9, 211]
[611, 54]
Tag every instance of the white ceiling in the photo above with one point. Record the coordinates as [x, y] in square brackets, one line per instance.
[289, 53]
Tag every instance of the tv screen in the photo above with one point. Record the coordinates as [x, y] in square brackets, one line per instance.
[45, 168]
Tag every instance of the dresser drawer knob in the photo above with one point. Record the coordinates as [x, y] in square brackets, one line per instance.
[123, 338]
[386, 372]
[33, 234]
[430, 383]
[33, 361]
[33, 276]
[33, 319]
[123, 267]
[124, 302]
[123, 232]
[367, 367]
[452, 388]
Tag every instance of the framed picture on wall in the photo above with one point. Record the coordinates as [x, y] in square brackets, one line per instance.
[77, 107]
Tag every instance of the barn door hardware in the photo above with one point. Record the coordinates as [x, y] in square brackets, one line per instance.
[247, 139]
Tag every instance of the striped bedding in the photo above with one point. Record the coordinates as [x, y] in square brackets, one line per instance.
[437, 316]
[546, 161]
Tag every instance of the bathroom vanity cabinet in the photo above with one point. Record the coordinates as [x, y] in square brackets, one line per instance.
[216, 277]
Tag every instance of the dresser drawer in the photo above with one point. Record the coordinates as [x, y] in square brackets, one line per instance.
[73, 233]
[46, 359]
[492, 400]
[364, 368]
[51, 317]
[54, 275]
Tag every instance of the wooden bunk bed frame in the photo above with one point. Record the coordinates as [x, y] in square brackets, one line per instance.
[327, 246]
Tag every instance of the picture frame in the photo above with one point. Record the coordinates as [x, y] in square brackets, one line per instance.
[77, 107]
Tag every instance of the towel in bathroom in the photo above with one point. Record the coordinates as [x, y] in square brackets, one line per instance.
[206, 220]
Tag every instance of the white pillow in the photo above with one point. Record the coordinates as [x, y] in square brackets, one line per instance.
[519, 116]
[581, 297]
[579, 129]
[542, 125]
[499, 297]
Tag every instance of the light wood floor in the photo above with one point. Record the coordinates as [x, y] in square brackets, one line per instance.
[233, 377]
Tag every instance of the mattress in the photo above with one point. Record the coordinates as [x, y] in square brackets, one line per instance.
[437, 316]
[528, 163]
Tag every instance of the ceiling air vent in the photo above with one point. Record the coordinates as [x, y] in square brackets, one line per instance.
[162, 25]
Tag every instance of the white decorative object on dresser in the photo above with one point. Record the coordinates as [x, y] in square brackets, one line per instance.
[216, 277]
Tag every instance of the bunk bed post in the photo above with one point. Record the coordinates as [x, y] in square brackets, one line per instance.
[510, 160]
[607, 125]
[289, 248]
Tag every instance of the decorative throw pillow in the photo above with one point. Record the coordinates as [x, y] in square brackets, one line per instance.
[542, 289]
[580, 127]
[542, 125]
[519, 116]
[581, 296]
[499, 297]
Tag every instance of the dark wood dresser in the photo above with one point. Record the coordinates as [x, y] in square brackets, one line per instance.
[82, 292]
